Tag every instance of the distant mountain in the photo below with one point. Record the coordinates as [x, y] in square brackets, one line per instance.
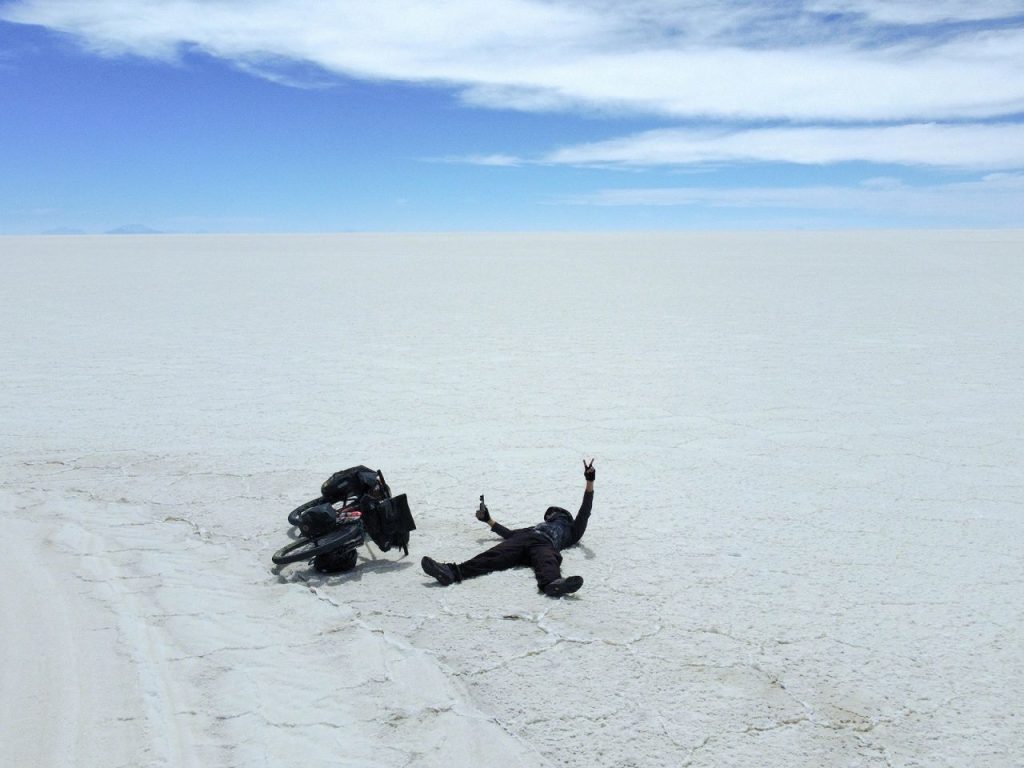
[133, 229]
[65, 231]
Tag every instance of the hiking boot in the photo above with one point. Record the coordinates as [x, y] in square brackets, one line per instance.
[565, 586]
[443, 572]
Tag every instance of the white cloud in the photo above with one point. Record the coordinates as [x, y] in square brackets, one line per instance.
[954, 146]
[916, 12]
[492, 160]
[728, 60]
[994, 200]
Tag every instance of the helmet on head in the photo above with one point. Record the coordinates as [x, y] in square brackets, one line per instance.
[553, 512]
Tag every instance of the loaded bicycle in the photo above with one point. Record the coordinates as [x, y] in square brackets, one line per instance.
[353, 504]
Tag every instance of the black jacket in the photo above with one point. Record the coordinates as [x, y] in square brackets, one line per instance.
[579, 524]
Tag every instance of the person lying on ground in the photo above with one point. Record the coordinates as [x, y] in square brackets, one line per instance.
[539, 547]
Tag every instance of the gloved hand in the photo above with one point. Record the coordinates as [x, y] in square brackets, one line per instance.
[589, 473]
[483, 514]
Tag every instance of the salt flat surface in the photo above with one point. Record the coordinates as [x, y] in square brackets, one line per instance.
[807, 546]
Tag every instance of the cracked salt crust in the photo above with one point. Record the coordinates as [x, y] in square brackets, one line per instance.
[805, 547]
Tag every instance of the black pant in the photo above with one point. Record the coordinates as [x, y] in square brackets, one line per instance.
[526, 548]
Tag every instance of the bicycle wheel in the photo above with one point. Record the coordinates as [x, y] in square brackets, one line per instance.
[304, 549]
[293, 516]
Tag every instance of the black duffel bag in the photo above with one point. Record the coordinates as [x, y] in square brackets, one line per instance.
[351, 482]
[318, 520]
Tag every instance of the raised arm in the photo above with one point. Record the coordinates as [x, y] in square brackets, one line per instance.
[579, 525]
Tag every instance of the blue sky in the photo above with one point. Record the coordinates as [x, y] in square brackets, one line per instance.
[398, 115]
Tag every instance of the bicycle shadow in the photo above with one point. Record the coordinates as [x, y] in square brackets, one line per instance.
[364, 566]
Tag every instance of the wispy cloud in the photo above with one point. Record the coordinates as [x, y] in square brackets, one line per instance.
[916, 12]
[993, 200]
[970, 146]
[728, 60]
[492, 160]
[918, 83]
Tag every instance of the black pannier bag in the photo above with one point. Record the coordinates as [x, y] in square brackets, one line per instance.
[318, 520]
[354, 481]
[388, 521]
